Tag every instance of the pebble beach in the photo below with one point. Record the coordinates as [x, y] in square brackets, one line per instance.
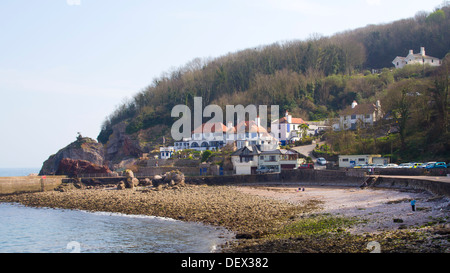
[279, 218]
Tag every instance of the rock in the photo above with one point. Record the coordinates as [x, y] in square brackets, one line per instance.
[83, 148]
[121, 185]
[157, 177]
[146, 182]
[244, 236]
[75, 167]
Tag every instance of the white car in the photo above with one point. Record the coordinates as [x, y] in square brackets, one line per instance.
[321, 161]
[424, 165]
[391, 165]
[405, 165]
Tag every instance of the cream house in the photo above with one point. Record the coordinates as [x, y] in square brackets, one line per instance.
[245, 160]
[359, 115]
[419, 58]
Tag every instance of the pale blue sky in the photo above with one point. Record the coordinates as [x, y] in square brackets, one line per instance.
[64, 67]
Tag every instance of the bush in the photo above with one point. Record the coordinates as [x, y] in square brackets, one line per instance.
[206, 154]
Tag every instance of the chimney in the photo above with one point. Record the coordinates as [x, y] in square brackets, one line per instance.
[422, 51]
[354, 103]
[411, 51]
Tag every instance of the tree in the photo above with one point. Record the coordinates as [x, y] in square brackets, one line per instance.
[205, 155]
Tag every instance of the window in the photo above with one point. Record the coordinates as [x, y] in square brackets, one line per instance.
[361, 160]
[345, 159]
[272, 158]
[261, 157]
[368, 116]
[353, 116]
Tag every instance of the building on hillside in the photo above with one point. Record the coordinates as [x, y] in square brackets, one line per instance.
[419, 58]
[249, 133]
[362, 115]
[205, 137]
[166, 152]
[289, 129]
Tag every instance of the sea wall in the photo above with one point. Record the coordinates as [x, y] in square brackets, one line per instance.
[301, 176]
[325, 178]
[435, 187]
[20, 184]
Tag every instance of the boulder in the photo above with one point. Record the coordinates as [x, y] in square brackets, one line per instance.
[121, 185]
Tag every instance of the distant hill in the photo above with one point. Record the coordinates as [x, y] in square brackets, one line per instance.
[313, 79]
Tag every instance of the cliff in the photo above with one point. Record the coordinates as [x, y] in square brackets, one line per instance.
[83, 148]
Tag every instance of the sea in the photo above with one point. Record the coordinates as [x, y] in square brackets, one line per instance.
[46, 230]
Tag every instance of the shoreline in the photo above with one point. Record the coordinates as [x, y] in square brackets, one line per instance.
[272, 218]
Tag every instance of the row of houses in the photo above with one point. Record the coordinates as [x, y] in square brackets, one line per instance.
[214, 136]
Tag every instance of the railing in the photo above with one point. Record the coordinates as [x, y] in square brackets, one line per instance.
[98, 175]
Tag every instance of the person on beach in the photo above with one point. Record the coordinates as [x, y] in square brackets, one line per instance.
[413, 205]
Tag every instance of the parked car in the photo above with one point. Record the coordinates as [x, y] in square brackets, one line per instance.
[416, 164]
[438, 165]
[405, 165]
[306, 166]
[263, 169]
[321, 161]
[424, 165]
[391, 165]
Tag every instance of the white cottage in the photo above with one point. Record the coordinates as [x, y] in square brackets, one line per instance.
[420, 58]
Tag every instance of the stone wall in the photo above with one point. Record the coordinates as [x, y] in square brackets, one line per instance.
[12, 185]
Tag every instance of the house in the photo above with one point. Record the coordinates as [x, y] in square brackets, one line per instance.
[248, 159]
[349, 161]
[359, 115]
[166, 152]
[289, 129]
[208, 136]
[419, 58]
[245, 160]
[248, 133]
[290, 159]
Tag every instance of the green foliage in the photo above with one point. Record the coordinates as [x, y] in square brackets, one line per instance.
[316, 225]
[206, 155]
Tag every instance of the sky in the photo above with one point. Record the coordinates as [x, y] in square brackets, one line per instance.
[65, 65]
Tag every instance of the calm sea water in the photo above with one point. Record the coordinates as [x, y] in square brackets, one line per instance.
[4, 172]
[45, 230]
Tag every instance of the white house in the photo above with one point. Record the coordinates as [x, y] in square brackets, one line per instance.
[208, 136]
[419, 58]
[359, 115]
[248, 133]
[289, 128]
[245, 160]
[166, 152]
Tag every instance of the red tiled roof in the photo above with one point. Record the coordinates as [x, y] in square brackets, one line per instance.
[210, 128]
[293, 120]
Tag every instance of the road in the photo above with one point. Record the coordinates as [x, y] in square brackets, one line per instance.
[307, 151]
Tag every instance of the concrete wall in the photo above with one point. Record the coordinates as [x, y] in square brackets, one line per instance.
[11, 185]
[435, 187]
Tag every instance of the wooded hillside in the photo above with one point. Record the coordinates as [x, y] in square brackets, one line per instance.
[313, 79]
